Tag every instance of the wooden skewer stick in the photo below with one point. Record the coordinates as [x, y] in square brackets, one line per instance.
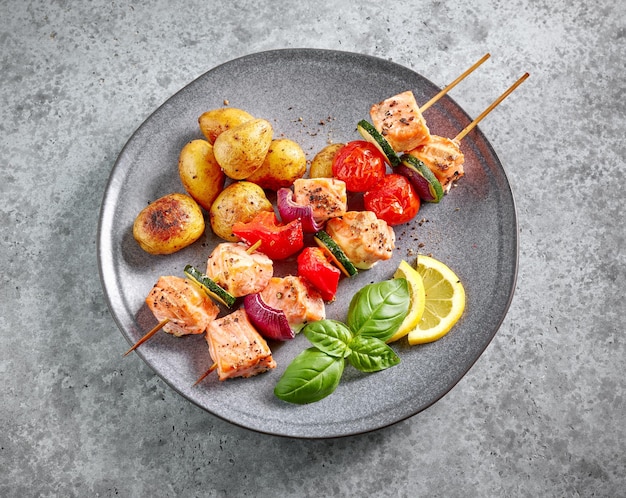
[147, 336]
[254, 246]
[205, 374]
[454, 83]
[471, 126]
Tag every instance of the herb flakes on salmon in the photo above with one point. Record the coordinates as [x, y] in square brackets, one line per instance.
[400, 121]
[326, 196]
[187, 308]
[238, 271]
[363, 237]
[295, 297]
[443, 157]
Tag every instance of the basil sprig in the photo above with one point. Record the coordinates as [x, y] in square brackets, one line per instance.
[374, 315]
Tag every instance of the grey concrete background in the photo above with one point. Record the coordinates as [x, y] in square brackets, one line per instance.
[540, 414]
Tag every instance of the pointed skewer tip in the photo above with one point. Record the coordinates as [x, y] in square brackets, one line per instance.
[158, 327]
[205, 374]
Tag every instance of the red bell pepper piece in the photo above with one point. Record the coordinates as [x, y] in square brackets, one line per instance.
[321, 273]
[277, 241]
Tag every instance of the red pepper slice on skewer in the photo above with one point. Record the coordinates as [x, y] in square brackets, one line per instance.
[321, 273]
[277, 241]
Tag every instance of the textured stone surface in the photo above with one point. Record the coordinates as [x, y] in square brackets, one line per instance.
[540, 414]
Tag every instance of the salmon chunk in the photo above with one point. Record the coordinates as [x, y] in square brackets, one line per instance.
[237, 348]
[237, 271]
[443, 157]
[187, 307]
[400, 121]
[297, 298]
[363, 238]
[327, 196]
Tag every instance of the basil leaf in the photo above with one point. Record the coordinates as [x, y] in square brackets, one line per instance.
[311, 376]
[370, 354]
[330, 336]
[377, 310]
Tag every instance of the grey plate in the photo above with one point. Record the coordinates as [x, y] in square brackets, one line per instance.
[314, 96]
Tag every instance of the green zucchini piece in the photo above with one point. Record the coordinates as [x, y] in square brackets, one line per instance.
[336, 253]
[373, 136]
[421, 177]
[209, 286]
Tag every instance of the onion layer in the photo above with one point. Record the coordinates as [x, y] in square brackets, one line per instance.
[421, 177]
[270, 322]
[290, 211]
[420, 184]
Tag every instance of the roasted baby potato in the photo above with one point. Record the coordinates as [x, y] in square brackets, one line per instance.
[168, 224]
[322, 164]
[284, 163]
[239, 201]
[200, 173]
[215, 121]
[240, 151]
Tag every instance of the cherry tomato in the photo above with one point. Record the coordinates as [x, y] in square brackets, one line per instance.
[277, 241]
[360, 164]
[323, 275]
[393, 199]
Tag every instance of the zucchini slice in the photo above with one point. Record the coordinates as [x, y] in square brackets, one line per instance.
[209, 286]
[373, 136]
[336, 253]
[421, 177]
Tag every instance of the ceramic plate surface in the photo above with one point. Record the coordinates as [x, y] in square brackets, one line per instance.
[314, 97]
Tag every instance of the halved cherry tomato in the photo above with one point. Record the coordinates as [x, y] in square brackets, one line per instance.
[321, 273]
[394, 200]
[360, 164]
[277, 241]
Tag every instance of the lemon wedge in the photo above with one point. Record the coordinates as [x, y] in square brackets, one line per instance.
[416, 296]
[444, 303]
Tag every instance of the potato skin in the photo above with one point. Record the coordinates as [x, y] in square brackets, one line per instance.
[240, 151]
[200, 173]
[239, 201]
[216, 121]
[168, 224]
[322, 164]
[284, 163]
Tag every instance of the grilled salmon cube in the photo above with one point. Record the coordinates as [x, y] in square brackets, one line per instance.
[237, 271]
[237, 348]
[297, 298]
[326, 196]
[443, 157]
[188, 309]
[400, 121]
[363, 238]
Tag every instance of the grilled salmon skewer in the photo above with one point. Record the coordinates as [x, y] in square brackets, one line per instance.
[399, 119]
[181, 307]
[443, 155]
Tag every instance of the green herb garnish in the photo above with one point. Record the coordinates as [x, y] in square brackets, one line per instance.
[374, 315]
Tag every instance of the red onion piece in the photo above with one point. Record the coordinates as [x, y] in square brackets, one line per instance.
[420, 184]
[290, 211]
[270, 322]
